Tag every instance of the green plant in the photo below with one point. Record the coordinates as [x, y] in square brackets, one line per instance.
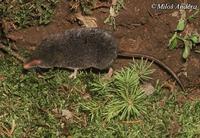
[99, 87]
[27, 13]
[189, 119]
[87, 5]
[28, 100]
[114, 11]
[84, 5]
[122, 96]
[190, 40]
[128, 100]
[30, 105]
[143, 69]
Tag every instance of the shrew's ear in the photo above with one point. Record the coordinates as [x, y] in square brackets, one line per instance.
[32, 63]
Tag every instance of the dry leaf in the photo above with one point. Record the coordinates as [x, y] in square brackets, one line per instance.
[67, 114]
[147, 88]
[88, 21]
[112, 12]
[114, 2]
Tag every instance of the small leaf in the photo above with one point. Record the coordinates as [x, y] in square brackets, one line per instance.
[173, 41]
[112, 12]
[195, 39]
[181, 25]
[174, 44]
[183, 14]
[87, 11]
[186, 52]
[88, 21]
[188, 47]
[194, 15]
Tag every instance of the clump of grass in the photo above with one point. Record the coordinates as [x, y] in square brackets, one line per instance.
[29, 99]
[189, 119]
[27, 13]
[128, 100]
[143, 69]
[123, 98]
[33, 105]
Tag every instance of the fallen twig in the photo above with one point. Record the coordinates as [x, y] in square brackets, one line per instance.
[12, 53]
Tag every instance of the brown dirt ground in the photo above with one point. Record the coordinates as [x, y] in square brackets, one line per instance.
[139, 29]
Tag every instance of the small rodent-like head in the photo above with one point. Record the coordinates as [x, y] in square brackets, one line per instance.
[39, 58]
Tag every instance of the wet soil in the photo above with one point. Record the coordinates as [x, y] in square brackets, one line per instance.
[140, 29]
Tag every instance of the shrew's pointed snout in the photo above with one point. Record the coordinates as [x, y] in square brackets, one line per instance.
[32, 64]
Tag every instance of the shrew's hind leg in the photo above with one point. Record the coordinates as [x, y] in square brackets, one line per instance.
[110, 72]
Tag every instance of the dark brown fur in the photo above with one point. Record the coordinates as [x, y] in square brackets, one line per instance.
[77, 48]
